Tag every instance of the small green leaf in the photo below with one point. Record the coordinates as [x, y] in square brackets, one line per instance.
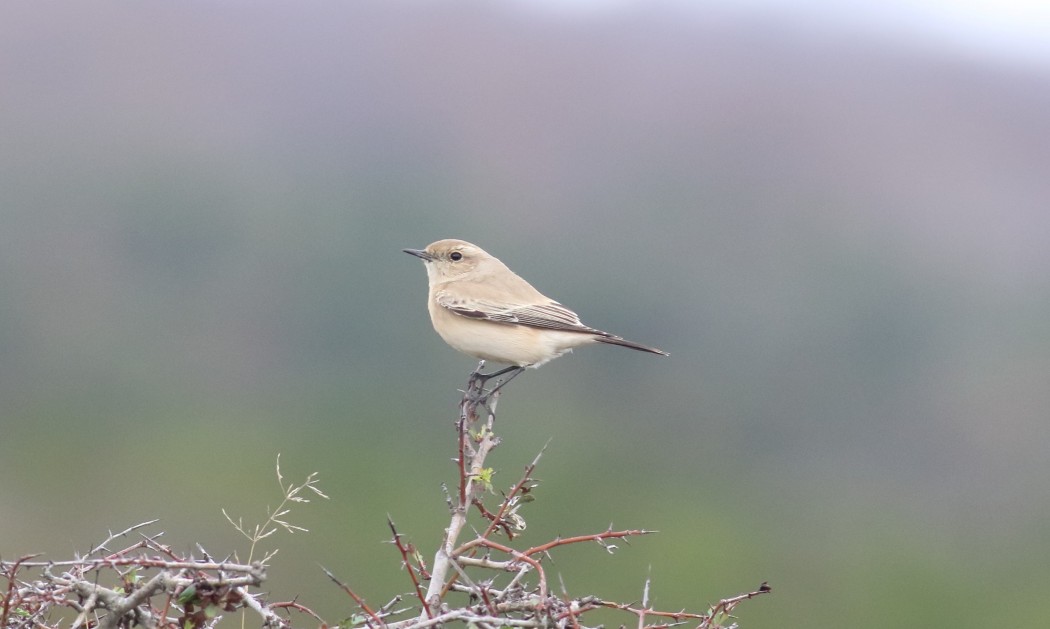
[188, 595]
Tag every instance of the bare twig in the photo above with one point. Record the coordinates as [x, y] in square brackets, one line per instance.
[595, 537]
[357, 599]
[270, 617]
[407, 565]
[11, 571]
[476, 581]
[469, 474]
[726, 605]
[146, 571]
[113, 536]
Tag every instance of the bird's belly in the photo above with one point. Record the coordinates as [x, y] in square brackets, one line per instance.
[508, 343]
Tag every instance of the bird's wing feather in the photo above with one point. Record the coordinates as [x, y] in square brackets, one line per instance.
[549, 315]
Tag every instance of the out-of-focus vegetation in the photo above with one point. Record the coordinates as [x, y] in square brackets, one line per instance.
[844, 244]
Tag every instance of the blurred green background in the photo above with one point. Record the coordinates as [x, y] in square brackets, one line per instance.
[839, 228]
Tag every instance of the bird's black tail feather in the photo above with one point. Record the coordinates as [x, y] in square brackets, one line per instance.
[615, 340]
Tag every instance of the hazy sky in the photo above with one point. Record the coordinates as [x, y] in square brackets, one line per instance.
[1013, 30]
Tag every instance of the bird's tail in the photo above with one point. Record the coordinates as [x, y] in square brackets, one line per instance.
[616, 340]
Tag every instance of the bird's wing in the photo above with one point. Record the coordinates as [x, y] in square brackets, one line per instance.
[548, 315]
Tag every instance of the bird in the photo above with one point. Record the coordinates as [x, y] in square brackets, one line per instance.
[483, 309]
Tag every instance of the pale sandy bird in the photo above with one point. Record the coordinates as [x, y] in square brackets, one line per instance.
[483, 309]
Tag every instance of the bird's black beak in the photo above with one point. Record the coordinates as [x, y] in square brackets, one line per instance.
[419, 253]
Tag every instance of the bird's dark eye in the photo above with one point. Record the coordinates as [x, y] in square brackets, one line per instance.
[456, 256]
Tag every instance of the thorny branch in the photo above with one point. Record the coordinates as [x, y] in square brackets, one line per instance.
[192, 592]
[479, 582]
[146, 583]
[414, 572]
[505, 586]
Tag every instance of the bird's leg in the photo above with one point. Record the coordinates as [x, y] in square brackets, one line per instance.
[476, 393]
[476, 383]
[499, 385]
[487, 377]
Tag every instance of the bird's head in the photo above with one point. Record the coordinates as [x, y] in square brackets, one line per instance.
[451, 259]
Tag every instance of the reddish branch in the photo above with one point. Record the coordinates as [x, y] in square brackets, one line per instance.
[9, 596]
[481, 541]
[724, 606]
[519, 488]
[407, 565]
[299, 608]
[596, 537]
[357, 599]
[461, 427]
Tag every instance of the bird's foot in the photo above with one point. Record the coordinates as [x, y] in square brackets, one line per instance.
[476, 393]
